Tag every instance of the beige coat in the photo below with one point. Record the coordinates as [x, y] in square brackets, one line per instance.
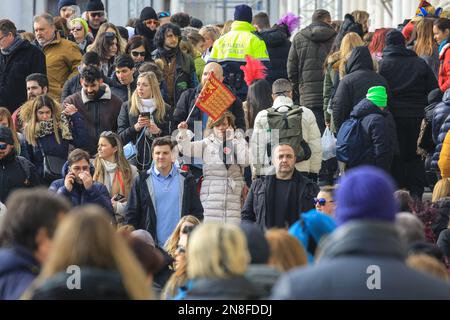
[62, 58]
[221, 189]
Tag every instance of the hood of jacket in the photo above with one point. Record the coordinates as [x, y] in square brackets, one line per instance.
[17, 258]
[360, 59]
[283, 103]
[242, 26]
[364, 108]
[318, 32]
[273, 37]
[368, 238]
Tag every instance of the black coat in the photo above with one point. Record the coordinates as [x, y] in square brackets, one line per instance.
[307, 55]
[140, 209]
[360, 76]
[126, 131]
[278, 46]
[258, 201]
[121, 90]
[380, 127]
[186, 103]
[16, 173]
[440, 127]
[410, 81]
[14, 68]
[343, 272]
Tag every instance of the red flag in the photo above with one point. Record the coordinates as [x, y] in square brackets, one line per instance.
[215, 98]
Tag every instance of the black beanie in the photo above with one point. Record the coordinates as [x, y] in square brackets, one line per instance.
[243, 13]
[148, 13]
[6, 135]
[66, 3]
[95, 5]
[395, 38]
[258, 247]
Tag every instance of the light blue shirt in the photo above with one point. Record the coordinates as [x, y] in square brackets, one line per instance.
[167, 202]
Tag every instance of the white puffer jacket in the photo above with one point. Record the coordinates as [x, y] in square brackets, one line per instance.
[260, 136]
[221, 189]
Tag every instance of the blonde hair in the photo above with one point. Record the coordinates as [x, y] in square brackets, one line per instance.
[5, 114]
[350, 41]
[86, 238]
[226, 27]
[425, 44]
[155, 94]
[286, 252]
[172, 242]
[429, 265]
[441, 189]
[123, 166]
[362, 17]
[31, 121]
[217, 251]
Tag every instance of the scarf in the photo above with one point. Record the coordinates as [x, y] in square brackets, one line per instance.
[14, 45]
[112, 178]
[168, 54]
[45, 128]
[443, 43]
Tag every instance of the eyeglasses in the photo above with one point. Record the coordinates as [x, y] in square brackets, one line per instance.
[152, 21]
[76, 29]
[138, 53]
[97, 14]
[3, 146]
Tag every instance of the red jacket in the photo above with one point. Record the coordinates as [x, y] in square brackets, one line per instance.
[444, 68]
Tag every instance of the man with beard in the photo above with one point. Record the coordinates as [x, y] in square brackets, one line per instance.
[95, 15]
[99, 107]
[62, 56]
[147, 25]
[78, 186]
[178, 68]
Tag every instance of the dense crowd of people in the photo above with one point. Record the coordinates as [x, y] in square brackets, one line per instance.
[310, 185]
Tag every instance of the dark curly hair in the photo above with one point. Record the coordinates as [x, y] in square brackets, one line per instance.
[160, 34]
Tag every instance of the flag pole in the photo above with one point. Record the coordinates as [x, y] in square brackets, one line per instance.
[190, 113]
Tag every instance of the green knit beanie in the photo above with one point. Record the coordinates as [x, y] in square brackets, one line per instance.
[378, 96]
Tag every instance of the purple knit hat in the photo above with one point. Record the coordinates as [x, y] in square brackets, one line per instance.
[365, 193]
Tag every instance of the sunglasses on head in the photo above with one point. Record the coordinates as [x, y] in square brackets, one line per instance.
[163, 14]
[152, 21]
[97, 14]
[3, 146]
[110, 35]
[138, 53]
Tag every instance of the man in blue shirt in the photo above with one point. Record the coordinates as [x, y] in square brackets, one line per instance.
[162, 195]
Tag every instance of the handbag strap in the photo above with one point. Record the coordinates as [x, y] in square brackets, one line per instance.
[40, 147]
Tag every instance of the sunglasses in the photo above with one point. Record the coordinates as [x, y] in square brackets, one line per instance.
[3, 146]
[320, 201]
[152, 21]
[76, 29]
[138, 53]
[97, 14]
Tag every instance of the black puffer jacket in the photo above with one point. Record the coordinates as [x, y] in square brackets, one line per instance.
[349, 25]
[441, 221]
[278, 46]
[410, 81]
[380, 127]
[360, 76]
[14, 68]
[308, 52]
[440, 126]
